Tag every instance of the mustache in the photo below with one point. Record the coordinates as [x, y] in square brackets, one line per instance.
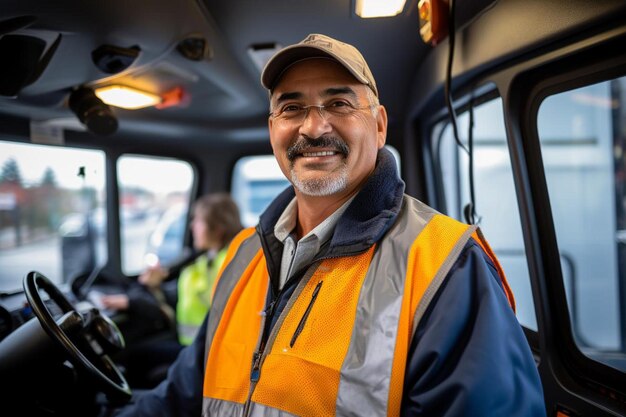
[305, 144]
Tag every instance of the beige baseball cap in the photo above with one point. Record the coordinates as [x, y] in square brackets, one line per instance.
[313, 46]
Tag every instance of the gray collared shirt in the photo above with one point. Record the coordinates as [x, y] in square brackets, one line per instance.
[297, 254]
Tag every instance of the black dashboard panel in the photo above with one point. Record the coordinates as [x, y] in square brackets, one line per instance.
[15, 311]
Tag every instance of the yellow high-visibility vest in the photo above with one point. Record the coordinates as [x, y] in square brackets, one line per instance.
[195, 285]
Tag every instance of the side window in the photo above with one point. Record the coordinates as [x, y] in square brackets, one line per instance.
[583, 144]
[257, 180]
[494, 191]
[52, 216]
[155, 194]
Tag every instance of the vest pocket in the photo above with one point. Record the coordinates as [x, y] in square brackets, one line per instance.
[306, 315]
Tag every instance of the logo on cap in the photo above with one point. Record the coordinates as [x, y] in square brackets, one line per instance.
[314, 40]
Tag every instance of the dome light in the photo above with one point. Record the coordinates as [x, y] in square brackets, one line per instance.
[126, 97]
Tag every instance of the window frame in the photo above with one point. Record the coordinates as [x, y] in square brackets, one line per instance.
[557, 77]
[522, 86]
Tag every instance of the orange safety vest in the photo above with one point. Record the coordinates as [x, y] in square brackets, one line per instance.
[340, 345]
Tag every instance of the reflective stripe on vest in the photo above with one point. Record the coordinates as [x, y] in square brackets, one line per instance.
[340, 345]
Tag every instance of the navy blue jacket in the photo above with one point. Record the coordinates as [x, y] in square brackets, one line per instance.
[469, 356]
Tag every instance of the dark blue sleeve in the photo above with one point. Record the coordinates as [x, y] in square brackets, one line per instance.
[180, 394]
[469, 356]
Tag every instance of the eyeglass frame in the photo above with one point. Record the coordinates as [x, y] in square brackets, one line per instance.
[321, 108]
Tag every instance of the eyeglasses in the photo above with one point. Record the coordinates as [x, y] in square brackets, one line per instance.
[297, 113]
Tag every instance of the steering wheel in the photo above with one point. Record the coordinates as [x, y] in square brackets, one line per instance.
[86, 337]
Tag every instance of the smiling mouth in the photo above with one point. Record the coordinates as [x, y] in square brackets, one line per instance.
[315, 148]
[320, 153]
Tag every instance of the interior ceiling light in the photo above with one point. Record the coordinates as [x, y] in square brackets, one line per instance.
[378, 8]
[126, 97]
[433, 20]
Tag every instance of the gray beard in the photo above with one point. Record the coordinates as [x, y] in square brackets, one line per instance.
[323, 186]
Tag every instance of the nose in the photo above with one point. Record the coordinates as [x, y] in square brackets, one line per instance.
[315, 124]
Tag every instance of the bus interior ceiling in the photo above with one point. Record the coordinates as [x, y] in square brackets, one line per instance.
[223, 107]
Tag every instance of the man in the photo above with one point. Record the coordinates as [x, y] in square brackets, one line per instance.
[350, 298]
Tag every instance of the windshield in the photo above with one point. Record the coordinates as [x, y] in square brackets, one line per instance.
[51, 199]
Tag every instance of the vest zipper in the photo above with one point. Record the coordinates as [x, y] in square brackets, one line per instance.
[257, 358]
[305, 316]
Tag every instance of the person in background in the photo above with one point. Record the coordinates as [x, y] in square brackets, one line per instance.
[350, 297]
[214, 223]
